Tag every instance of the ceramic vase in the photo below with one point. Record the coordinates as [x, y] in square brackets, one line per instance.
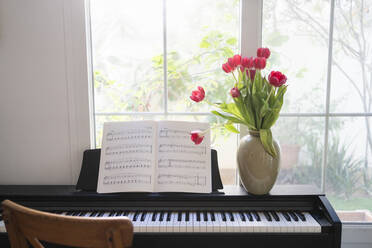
[258, 170]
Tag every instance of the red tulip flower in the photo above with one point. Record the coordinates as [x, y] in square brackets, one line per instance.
[277, 79]
[251, 74]
[197, 137]
[226, 68]
[259, 63]
[247, 62]
[263, 52]
[198, 95]
[231, 63]
[237, 59]
[235, 92]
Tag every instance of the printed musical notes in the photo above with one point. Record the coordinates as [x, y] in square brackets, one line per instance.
[173, 133]
[182, 180]
[190, 149]
[127, 179]
[132, 163]
[154, 156]
[182, 163]
[128, 149]
[129, 134]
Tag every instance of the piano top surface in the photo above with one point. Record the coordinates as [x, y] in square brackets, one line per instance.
[229, 191]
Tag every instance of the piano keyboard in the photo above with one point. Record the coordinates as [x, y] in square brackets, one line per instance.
[209, 221]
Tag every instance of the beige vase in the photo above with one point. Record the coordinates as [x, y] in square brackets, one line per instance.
[257, 169]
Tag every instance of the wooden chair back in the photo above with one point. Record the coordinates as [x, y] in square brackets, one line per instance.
[24, 224]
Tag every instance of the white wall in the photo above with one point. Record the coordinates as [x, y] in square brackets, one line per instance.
[44, 110]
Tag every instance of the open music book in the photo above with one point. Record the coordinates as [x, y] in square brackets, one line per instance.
[154, 156]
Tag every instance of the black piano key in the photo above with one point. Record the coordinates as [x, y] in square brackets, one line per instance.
[93, 214]
[213, 217]
[82, 214]
[187, 216]
[75, 213]
[256, 216]
[179, 216]
[169, 216]
[267, 216]
[119, 213]
[205, 216]
[100, 214]
[286, 216]
[198, 216]
[135, 216]
[112, 213]
[249, 216]
[143, 216]
[125, 213]
[301, 216]
[161, 216]
[242, 216]
[231, 216]
[276, 217]
[223, 216]
[293, 216]
[153, 218]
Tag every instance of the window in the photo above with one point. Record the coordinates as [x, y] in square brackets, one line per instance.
[146, 61]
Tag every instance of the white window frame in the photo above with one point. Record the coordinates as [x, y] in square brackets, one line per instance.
[250, 40]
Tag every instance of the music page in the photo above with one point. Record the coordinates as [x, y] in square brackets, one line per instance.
[182, 166]
[127, 157]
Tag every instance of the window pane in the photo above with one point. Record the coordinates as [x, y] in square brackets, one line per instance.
[349, 166]
[351, 75]
[127, 40]
[297, 34]
[224, 142]
[201, 36]
[301, 141]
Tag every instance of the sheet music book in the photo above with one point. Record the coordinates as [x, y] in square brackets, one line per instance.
[154, 156]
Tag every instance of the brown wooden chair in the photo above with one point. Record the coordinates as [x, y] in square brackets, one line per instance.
[24, 224]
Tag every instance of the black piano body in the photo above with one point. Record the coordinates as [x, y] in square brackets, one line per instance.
[233, 198]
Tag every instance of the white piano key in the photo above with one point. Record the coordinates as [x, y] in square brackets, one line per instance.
[283, 225]
[183, 222]
[195, 222]
[202, 223]
[238, 221]
[223, 226]
[170, 223]
[268, 226]
[209, 222]
[190, 223]
[215, 223]
[2, 227]
[315, 227]
[176, 223]
[259, 225]
[249, 225]
[163, 224]
[235, 223]
[149, 223]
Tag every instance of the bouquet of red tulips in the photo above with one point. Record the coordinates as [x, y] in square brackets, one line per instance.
[256, 100]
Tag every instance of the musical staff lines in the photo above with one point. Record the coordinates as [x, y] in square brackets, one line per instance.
[172, 148]
[130, 163]
[127, 179]
[173, 133]
[129, 134]
[126, 149]
[182, 164]
[188, 180]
